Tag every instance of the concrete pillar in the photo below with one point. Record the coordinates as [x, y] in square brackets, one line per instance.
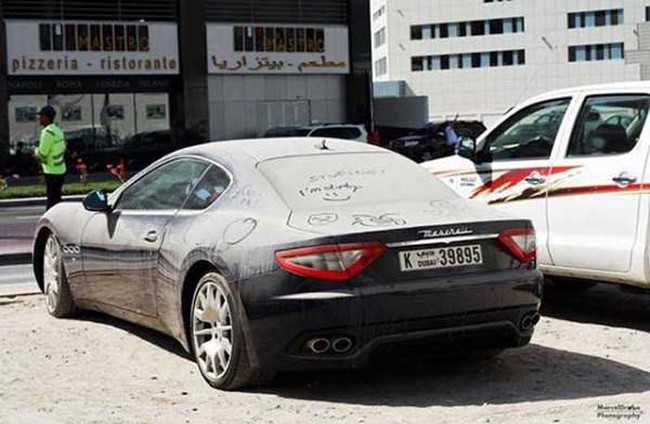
[4, 92]
[191, 108]
[359, 82]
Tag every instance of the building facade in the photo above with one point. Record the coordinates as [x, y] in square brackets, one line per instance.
[475, 59]
[144, 76]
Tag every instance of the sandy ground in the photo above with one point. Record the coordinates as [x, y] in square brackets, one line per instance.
[590, 355]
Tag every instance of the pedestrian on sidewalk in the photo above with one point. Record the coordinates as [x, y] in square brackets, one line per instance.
[51, 153]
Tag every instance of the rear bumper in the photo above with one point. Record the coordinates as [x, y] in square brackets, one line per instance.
[460, 312]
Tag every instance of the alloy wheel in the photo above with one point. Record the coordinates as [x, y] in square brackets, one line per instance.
[51, 269]
[212, 331]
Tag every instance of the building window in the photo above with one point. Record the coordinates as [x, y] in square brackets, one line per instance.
[596, 52]
[381, 67]
[417, 63]
[595, 18]
[468, 28]
[378, 14]
[496, 26]
[468, 60]
[380, 37]
[444, 31]
[647, 14]
[416, 32]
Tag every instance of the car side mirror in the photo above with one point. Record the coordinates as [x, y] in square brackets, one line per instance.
[466, 148]
[97, 201]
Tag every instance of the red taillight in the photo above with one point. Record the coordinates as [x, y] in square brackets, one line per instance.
[332, 262]
[520, 243]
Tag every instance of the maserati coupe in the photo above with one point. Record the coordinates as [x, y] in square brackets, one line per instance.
[262, 256]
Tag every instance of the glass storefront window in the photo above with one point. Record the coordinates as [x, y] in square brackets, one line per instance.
[100, 129]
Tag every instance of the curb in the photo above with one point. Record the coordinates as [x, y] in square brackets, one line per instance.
[16, 259]
[36, 201]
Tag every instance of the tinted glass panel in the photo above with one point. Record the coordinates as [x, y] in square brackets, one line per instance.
[209, 189]
[609, 125]
[337, 132]
[164, 188]
[529, 134]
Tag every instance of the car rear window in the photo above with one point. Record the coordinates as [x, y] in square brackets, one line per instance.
[350, 179]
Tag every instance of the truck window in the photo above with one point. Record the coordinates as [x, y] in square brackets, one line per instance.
[529, 134]
[609, 125]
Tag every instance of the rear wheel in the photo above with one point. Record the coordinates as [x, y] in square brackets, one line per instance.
[55, 283]
[218, 342]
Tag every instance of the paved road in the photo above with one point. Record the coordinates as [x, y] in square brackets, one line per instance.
[17, 225]
[19, 222]
[17, 279]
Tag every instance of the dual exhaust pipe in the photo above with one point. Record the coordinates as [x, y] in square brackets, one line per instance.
[323, 345]
[341, 345]
[529, 321]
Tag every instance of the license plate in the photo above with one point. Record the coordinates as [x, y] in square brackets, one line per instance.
[443, 257]
[410, 143]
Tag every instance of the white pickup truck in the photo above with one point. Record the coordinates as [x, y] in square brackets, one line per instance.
[575, 162]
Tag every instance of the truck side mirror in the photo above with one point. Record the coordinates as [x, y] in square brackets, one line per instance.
[466, 148]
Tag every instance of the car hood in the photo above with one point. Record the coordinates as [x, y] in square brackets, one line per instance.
[357, 219]
[447, 164]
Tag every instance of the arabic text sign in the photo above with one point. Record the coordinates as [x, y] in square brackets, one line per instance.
[279, 49]
[91, 48]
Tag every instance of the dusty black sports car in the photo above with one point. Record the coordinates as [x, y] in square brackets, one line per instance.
[268, 255]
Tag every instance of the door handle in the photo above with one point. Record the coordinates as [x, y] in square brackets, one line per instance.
[624, 179]
[151, 236]
[535, 179]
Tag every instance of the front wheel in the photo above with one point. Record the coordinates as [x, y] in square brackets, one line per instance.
[55, 283]
[218, 342]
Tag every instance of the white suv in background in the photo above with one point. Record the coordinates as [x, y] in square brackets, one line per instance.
[575, 162]
[342, 131]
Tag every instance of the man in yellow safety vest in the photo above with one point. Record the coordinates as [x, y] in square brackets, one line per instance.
[51, 153]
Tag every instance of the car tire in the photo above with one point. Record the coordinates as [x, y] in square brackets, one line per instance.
[60, 303]
[218, 342]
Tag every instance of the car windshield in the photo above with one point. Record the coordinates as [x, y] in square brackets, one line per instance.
[351, 179]
[287, 132]
[300, 132]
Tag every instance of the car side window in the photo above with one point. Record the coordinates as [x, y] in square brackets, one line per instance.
[529, 134]
[214, 182]
[164, 188]
[609, 125]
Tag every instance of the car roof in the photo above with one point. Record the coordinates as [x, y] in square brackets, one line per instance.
[629, 85]
[262, 149]
[329, 125]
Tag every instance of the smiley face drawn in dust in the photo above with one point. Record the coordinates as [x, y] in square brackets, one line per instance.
[321, 219]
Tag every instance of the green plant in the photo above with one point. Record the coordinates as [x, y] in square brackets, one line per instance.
[38, 190]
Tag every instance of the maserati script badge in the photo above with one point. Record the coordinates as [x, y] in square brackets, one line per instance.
[447, 232]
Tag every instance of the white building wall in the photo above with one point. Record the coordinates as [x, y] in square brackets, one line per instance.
[245, 106]
[486, 93]
[379, 20]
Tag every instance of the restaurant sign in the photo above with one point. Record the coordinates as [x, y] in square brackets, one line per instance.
[91, 48]
[277, 49]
